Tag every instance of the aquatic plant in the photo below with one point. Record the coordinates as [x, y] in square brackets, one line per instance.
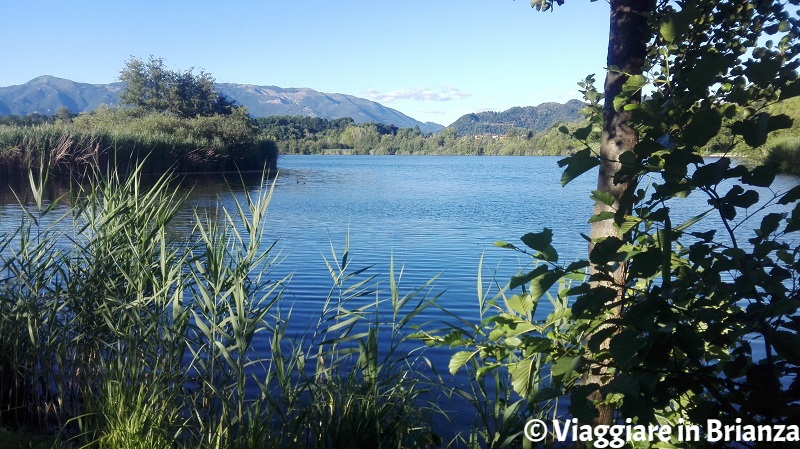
[115, 332]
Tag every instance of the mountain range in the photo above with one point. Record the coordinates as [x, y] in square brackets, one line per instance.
[45, 94]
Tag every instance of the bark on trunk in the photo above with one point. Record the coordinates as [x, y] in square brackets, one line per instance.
[627, 47]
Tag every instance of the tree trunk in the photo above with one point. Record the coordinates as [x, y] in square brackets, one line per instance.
[627, 47]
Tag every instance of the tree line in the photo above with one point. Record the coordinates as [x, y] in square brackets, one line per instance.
[314, 135]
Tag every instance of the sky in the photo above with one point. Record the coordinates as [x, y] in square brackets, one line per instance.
[433, 60]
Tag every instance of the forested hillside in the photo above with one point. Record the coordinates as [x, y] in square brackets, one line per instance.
[533, 118]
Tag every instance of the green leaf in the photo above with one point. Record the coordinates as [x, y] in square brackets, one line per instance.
[593, 302]
[580, 406]
[522, 304]
[787, 344]
[790, 90]
[546, 394]
[523, 279]
[577, 270]
[794, 221]
[602, 216]
[605, 250]
[761, 176]
[512, 342]
[791, 196]
[779, 121]
[738, 197]
[690, 222]
[753, 130]
[634, 83]
[646, 264]
[631, 87]
[504, 245]
[770, 223]
[583, 133]
[577, 164]
[496, 335]
[538, 241]
[603, 197]
[629, 223]
[541, 284]
[538, 345]
[564, 366]
[624, 347]
[673, 24]
[711, 174]
[460, 359]
[522, 375]
[626, 385]
[702, 127]
[668, 29]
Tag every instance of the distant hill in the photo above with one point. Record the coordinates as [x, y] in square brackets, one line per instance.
[535, 118]
[265, 101]
[46, 94]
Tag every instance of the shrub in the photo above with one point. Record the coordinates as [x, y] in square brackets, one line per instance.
[784, 155]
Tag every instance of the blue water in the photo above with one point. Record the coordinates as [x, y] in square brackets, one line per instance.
[431, 215]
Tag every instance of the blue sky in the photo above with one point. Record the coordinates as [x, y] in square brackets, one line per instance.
[433, 60]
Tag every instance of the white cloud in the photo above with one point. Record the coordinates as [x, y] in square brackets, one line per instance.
[418, 94]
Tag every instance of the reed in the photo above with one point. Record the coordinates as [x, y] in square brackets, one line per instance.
[153, 143]
[116, 334]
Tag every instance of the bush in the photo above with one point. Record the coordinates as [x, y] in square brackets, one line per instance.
[784, 155]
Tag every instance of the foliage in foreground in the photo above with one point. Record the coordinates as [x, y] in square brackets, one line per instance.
[116, 333]
[703, 324]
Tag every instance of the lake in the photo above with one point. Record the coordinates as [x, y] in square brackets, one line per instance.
[432, 215]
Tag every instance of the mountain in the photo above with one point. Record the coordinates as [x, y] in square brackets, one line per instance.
[535, 118]
[45, 94]
[265, 101]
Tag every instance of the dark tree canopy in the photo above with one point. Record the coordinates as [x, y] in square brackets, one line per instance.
[151, 87]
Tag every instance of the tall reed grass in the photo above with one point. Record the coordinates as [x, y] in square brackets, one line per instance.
[127, 141]
[114, 333]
